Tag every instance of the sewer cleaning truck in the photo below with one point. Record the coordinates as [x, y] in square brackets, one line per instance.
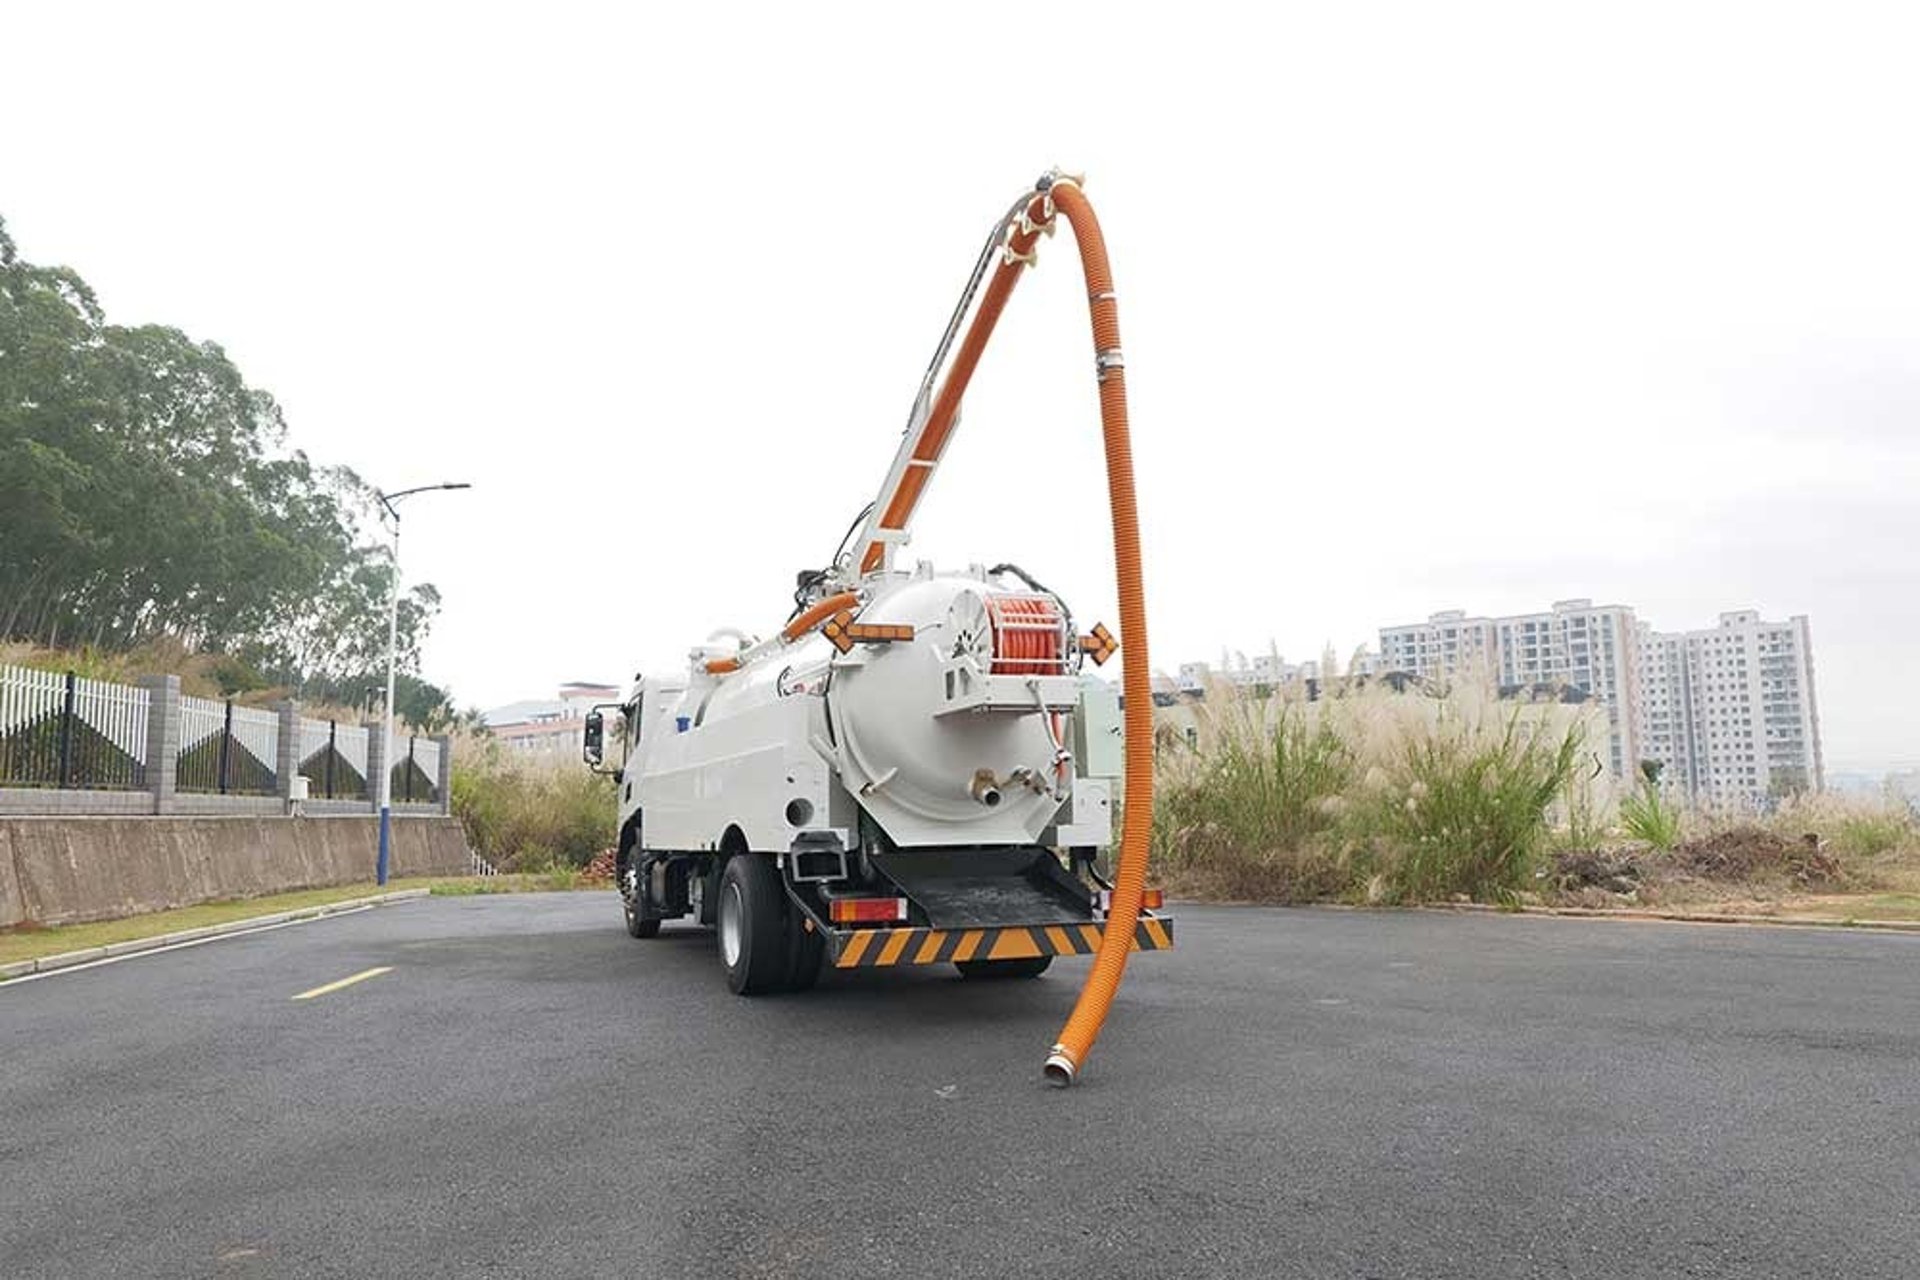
[920, 766]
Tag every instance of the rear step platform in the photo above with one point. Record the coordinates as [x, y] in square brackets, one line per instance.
[969, 888]
[985, 904]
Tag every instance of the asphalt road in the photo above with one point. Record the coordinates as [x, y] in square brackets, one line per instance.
[1293, 1093]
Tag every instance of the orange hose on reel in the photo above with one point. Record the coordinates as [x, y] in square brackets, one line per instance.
[1029, 636]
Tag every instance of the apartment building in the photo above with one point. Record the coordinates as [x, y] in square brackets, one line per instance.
[1447, 644]
[548, 729]
[1264, 669]
[1575, 645]
[1731, 711]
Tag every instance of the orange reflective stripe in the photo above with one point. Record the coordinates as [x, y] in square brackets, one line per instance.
[930, 948]
[969, 942]
[856, 947]
[895, 945]
[1014, 944]
[1062, 944]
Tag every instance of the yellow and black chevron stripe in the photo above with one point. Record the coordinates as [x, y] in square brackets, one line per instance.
[878, 948]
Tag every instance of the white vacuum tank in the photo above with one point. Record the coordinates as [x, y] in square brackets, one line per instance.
[956, 737]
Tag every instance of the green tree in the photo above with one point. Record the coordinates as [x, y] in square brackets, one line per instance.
[147, 490]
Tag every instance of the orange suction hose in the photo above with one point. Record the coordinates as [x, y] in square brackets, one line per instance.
[1130, 880]
[816, 614]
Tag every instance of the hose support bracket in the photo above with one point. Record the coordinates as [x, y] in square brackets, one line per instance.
[1107, 361]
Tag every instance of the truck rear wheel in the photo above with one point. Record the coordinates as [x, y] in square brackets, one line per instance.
[752, 920]
[1027, 967]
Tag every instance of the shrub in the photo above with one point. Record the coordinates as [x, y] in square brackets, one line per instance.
[1367, 794]
[1870, 835]
[1645, 816]
[1464, 809]
[522, 815]
[1244, 815]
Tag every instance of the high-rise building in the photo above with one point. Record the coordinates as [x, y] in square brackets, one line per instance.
[1573, 645]
[1730, 712]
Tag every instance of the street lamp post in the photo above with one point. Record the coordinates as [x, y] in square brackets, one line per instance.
[389, 501]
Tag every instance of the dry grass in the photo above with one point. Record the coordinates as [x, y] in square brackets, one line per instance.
[1378, 797]
[1815, 851]
[1370, 796]
[523, 815]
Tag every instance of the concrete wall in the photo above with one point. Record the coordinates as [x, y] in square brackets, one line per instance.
[69, 870]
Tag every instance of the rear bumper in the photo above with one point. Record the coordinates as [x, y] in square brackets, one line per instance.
[882, 948]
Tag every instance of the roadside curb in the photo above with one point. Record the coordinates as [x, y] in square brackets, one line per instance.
[1676, 917]
[1582, 913]
[133, 946]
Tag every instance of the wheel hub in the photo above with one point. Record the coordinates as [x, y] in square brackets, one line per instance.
[732, 910]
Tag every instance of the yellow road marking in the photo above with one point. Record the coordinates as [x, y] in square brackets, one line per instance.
[344, 982]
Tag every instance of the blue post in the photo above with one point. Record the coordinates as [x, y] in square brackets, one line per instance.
[386, 837]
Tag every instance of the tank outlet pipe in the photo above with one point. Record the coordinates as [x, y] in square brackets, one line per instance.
[985, 790]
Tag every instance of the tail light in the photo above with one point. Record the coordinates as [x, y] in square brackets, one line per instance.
[866, 910]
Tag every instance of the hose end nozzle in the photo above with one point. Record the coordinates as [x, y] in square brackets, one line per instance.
[1060, 1071]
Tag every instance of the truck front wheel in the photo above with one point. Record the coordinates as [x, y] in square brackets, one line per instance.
[633, 900]
[752, 924]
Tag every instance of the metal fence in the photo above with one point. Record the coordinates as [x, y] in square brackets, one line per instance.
[59, 731]
[333, 759]
[416, 775]
[228, 750]
[66, 731]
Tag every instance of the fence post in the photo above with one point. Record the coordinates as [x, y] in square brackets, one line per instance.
[333, 748]
[376, 761]
[66, 733]
[413, 740]
[226, 747]
[286, 766]
[163, 739]
[445, 780]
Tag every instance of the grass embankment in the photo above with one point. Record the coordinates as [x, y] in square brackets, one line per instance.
[530, 815]
[1383, 798]
[34, 942]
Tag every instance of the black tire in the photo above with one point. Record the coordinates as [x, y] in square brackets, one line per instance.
[806, 950]
[639, 926]
[1029, 967]
[752, 922]
[633, 903]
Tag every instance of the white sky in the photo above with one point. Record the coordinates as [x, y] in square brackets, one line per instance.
[1424, 307]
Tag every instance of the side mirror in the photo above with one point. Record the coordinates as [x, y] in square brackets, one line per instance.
[593, 748]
